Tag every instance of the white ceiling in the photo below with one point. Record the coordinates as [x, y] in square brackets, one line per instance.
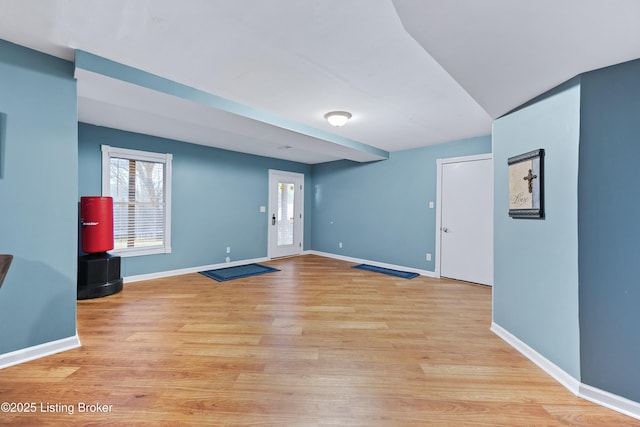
[412, 72]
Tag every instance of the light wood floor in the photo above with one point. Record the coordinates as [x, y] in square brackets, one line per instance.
[315, 344]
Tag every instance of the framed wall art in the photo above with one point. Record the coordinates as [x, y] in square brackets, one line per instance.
[5, 262]
[526, 185]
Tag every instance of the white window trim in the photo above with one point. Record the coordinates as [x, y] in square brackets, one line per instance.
[124, 153]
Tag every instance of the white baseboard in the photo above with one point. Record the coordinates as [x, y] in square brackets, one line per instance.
[170, 273]
[375, 263]
[545, 364]
[38, 351]
[610, 400]
[587, 392]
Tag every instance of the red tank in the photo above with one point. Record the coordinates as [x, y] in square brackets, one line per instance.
[96, 218]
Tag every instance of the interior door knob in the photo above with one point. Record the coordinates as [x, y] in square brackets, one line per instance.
[445, 230]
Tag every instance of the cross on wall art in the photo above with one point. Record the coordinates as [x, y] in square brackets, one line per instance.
[526, 185]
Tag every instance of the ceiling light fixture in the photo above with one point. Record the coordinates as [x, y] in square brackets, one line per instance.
[337, 118]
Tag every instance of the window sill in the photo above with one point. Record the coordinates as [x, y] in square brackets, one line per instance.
[126, 253]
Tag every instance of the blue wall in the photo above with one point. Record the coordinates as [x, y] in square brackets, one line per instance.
[38, 195]
[216, 196]
[380, 211]
[535, 293]
[609, 202]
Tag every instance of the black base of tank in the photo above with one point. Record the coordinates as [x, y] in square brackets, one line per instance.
[98, 275]
[101, 290]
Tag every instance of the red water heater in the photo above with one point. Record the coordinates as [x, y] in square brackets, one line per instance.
[96, 218]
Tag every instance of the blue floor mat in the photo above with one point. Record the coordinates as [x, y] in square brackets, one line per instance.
[230, 273]
[389, 271]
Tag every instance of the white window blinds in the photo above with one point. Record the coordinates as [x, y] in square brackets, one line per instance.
[140, 184]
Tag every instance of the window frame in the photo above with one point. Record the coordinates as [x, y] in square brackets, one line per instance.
[109, 152]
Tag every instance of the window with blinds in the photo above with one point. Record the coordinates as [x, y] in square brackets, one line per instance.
[139, 183]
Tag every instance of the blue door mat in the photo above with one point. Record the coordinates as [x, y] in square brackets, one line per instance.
[389, 271]
[230, 273]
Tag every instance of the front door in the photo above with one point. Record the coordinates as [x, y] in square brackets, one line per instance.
[286, 204]
[466, 219]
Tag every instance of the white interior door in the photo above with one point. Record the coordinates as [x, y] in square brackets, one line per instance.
[286, 205]
[466, 219]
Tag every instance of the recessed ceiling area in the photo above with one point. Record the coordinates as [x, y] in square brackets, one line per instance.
[412, 72]
[110, 102]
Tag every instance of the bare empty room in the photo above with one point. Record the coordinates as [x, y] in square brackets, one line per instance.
[372, 213]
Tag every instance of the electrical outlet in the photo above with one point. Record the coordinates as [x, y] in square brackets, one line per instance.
[428, 257]
[227, 259]
[228, 249]
[340, 245]
[430, 205]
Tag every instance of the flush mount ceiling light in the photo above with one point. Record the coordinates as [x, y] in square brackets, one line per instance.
[337, 118]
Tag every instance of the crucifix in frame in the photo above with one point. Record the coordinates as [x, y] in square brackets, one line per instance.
[526, 185]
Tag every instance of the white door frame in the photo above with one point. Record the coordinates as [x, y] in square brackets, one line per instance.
[439, 163]
[299, 221]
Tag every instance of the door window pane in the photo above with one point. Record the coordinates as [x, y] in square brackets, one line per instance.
[286, 198]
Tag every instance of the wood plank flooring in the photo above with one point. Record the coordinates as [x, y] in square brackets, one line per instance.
[315, 344]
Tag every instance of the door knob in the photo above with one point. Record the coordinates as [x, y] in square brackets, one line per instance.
[273, 219]
[445, 230]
